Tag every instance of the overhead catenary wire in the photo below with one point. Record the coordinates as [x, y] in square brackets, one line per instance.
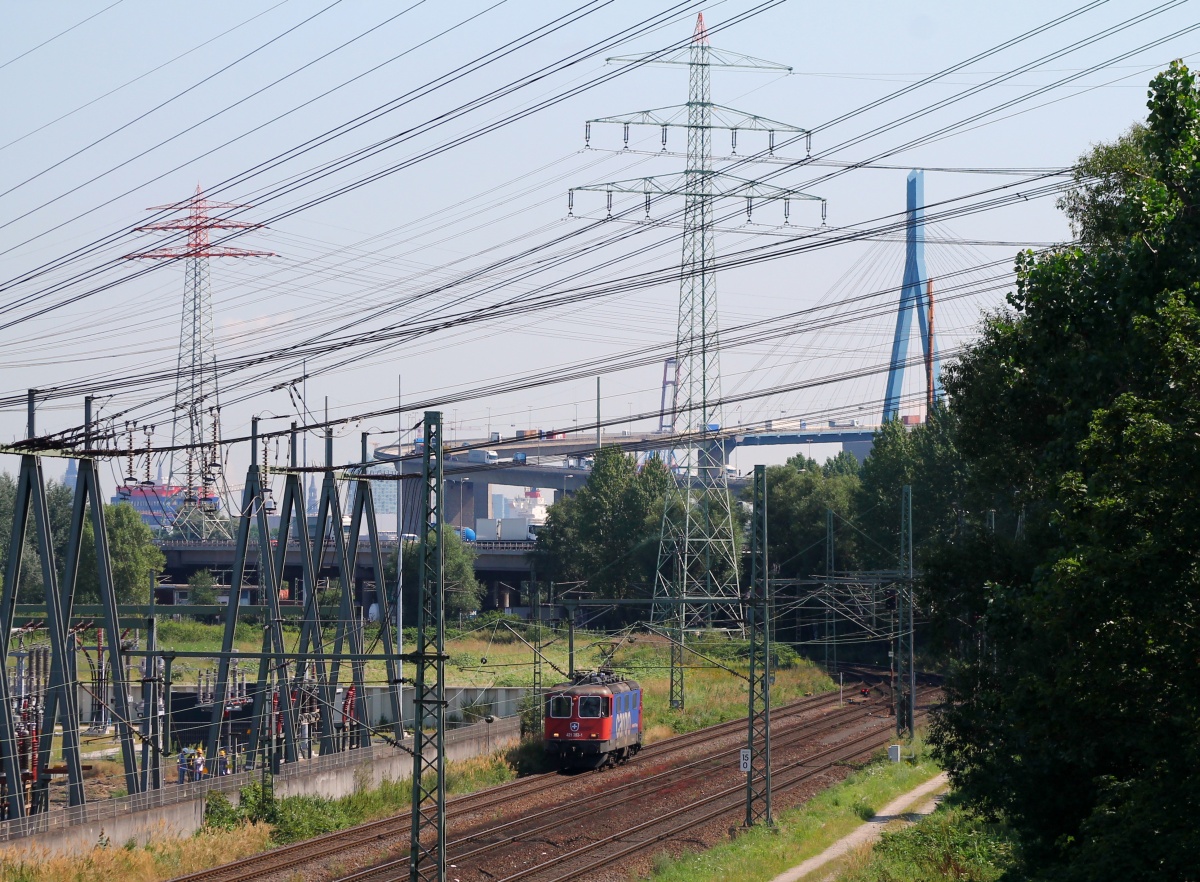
[419, 91]
[902, 91]
[528, 303]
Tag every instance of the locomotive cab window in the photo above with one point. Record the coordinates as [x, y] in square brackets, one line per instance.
[560, 706]
[590, 705]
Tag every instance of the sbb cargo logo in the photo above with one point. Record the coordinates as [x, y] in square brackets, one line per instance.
[623, 724]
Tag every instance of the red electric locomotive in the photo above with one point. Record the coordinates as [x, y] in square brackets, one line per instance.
[593, 721]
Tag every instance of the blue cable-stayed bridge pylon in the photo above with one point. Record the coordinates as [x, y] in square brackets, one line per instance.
[698, 557]
[916, 295]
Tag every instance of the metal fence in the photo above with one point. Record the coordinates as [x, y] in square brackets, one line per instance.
[173, 794]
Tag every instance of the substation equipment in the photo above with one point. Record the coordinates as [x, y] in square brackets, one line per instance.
[291, 696]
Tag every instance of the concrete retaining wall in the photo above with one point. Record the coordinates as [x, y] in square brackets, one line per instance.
[178, 810]
[500, 701]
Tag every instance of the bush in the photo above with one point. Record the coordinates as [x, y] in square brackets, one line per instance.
[949, 844]
[531, 715]
[864, 811]
[303, 817]
[220, 813]
[257, 805]
[474, 713]
[528, 757]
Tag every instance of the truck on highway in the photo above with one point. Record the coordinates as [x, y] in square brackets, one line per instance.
[484, 456]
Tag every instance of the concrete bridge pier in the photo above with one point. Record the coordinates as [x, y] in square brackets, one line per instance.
[860, 449]
[466, 500]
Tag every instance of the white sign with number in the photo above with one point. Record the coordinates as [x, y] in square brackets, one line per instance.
[744, 760]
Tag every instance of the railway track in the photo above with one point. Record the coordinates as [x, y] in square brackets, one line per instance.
[685, 819]
[387, 829]
[552, 819]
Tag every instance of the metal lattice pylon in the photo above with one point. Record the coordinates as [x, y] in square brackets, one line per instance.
[698, 556]
[195, 422]
[427, 855]
[699, 520]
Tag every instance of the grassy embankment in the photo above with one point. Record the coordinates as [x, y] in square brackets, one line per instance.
[948, 845]
[801, 833]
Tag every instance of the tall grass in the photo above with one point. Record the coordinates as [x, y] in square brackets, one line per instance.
[233, 836]
[159, 860]
[950, 844]
[805, 831]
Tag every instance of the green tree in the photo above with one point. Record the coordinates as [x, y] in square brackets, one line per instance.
[131, 548]
[464, 593]
[135, 558]
[927, 459]
[58, 504]
[845, 463]
[202, 589]
[799, 494]
[1075, 707]
[607, 534]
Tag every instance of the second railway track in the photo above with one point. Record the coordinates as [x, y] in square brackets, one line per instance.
[387, 829]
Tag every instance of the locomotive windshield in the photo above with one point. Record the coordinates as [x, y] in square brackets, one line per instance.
[590, 705]
[560, 706]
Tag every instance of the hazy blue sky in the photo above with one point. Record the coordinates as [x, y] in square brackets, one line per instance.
[141, 103]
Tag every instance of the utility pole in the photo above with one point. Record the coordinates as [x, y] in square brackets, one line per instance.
[535, 609]
[929, 352]
[757, 755]
[830, 623]
[697, 552]
[905, 693]
[678, 619]
[570, 641]
[427, 846]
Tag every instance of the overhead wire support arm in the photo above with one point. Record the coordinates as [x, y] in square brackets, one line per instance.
[720, 186]
[728, 118]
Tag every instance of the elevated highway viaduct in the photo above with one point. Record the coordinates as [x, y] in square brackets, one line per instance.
[558, 461]
[500, 566]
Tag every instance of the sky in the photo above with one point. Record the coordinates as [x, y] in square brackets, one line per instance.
[410, 162]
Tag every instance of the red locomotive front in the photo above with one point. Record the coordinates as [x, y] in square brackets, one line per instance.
[594, 721]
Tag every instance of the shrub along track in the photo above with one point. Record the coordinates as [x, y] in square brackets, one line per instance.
[388, 831]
